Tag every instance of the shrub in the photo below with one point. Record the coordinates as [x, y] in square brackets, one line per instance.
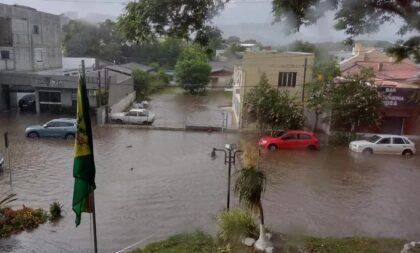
[55, 211]
[235, 225]
[13, 221]
[344, 138]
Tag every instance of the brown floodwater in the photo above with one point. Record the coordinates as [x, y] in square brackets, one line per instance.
[151, 184]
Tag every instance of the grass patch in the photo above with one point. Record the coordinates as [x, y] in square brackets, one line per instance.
[197, 242]
[355, 244]
[200, 242]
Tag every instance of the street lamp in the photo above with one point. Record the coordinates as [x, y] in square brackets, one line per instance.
[230, 158]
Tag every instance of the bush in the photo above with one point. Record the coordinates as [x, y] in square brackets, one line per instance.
[55, 210]
[344, 138]
[235, 225]
[13, 221]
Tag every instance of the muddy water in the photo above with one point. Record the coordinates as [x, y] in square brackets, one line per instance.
[155, 183]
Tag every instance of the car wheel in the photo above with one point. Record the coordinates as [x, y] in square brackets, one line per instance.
[272, 147]
[69, 136]
[311, 147]
[33, 135]
[407, 152]
[367, 151]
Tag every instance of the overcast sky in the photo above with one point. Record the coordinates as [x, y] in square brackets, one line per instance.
[236, 12]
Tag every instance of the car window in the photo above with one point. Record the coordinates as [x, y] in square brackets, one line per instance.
[397, 140]
[290, 137]
[68, 124]
[304, 136]
[406, 141]
[132, 114]
[52, 124]
[384, 141]
[373, 139]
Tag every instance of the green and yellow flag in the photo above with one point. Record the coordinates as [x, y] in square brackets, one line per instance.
[84, 163]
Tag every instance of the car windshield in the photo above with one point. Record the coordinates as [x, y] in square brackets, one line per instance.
[373, 139]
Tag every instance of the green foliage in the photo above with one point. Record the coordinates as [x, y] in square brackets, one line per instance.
[55, 210]
[272, 108]
[141, 83]
[406, 49]
[355, 103]
[192, 70]
[210, 38]
[102, 96]
[100, 41]
[353, 244]
[344, 138]
[13, 221]
[147, 20]
[7, 200]
[355, 17]
[234, 225]
[197, 242]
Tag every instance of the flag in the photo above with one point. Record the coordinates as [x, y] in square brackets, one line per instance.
[84, 164]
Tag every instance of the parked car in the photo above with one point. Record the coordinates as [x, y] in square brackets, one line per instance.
[27, 102]
[384, 144]
[292, 139]
[142, 105]
[1, 161]
[64, 128]
[134, 116]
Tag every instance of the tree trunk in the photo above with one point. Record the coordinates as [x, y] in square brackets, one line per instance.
[316, 122]
[260, 209]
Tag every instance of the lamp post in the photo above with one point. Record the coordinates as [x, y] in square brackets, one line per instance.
[230, 158]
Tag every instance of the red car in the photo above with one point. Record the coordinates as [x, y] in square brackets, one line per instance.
[292, 139]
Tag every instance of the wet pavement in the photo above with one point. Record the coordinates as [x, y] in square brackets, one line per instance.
[155, 183]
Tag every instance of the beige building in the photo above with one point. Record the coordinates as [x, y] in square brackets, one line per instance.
[285, 71]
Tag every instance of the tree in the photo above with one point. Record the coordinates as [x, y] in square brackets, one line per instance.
[319, 90]
[272, 108]
[209, 38]
[250, 185]
[354, 102]
[356, 18]
[147, 20]
[192, 69]
[141, 84]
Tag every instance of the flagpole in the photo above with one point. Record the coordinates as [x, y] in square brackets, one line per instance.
[92, 191]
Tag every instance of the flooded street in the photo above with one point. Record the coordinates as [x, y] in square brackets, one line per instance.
[151, 184]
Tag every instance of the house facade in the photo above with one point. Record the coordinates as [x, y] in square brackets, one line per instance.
[399, 83]
[30, 40]
[288, 71]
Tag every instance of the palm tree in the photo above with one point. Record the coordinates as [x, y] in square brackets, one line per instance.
[7, 200]
[249, 186]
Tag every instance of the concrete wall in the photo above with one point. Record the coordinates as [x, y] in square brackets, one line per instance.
[123, 103]
[36, 39]
[119, 91]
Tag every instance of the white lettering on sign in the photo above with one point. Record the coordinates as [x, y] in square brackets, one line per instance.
[392, 90]
[55, 83]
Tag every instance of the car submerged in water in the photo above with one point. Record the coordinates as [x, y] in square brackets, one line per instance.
[62, 128]
[291, 139]
[384, 144]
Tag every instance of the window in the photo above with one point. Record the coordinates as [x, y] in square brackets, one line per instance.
[36, 29]
[68, 124]
[132, 114]
[398, 140]
[304, 136]
[287, 79]
[5, 54]
[384, 141]
[290, 137]
[53, 124]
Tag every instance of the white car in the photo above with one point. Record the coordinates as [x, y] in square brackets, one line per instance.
[384, 144]
[134, 116]
[1, 160]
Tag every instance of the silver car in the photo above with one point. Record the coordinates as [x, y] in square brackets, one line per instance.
[384, 144]
[63, 128]
[134, 116]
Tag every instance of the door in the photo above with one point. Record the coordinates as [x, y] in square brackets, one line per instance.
[304, 141]
[398, 145]
[131, 117]
[143, 117]
[50, 129]
[289, 141]
[383, 146]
